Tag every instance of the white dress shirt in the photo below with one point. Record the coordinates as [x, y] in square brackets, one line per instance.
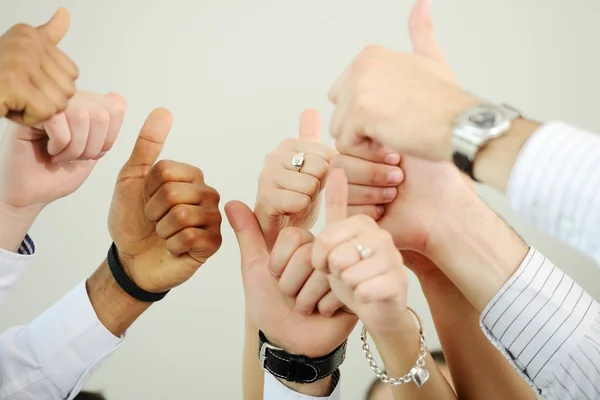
[275, 390]
[541, 320]
[53, 357]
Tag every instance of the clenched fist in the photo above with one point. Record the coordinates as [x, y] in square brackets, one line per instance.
[36, 78]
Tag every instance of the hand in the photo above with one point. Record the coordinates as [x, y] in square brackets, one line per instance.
[164, 220]
[373, 285]
[84, 132]
[403, 101]
[290, 198]
[36, 78]
[271, 310]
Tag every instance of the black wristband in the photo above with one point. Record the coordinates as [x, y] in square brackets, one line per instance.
[127, 284]
[298, 368]
[464, 164]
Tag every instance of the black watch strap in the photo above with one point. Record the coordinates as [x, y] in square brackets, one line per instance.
[298, 368]
[127, 284]
[464, 164]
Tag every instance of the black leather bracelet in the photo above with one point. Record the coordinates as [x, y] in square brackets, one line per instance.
[127, 284]
[298, 368]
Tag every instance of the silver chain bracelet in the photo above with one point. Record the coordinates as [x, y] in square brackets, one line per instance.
[417, 374]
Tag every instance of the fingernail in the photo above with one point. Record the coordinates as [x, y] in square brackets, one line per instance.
[390, 193]
[392, 159]
[395, 177]
[273, 273]
[102, 154]
[379, 210]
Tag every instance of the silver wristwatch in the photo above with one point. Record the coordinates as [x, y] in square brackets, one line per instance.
[474, 127]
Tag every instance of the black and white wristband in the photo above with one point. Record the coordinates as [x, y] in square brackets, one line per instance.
[127, 284]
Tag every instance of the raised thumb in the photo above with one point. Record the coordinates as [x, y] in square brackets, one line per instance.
[422, 35]
[56, 28]
[151, 139]
[310, 126]
[253, 249]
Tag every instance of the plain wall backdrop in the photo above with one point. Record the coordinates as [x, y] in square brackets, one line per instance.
[236, 75]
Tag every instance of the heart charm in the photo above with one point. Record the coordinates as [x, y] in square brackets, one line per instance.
[419, 375]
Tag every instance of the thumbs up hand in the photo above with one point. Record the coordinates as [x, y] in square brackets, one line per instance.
[365, 268]
[164, 220]
[402, 101]
[36, 78]
[288, 195]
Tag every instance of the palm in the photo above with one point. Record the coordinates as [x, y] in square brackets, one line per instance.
[276, 315]
[39, 181]
[428, 189]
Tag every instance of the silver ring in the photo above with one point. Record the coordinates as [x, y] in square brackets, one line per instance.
[298, 161]
[363, 251]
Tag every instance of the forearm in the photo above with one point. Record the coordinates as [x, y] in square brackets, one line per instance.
[399, 352]
[15, 223]
[478, 369]
[253, 375]
[477, 250]
[494, 162]
[115, 309]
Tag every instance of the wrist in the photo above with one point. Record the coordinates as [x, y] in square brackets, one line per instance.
[16, 222]
[478, 251]
[493, 162]
[114, 307]
[321, 388]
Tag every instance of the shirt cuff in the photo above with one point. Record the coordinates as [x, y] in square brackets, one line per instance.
[275, 390]
[554, 185]
[538, 318]
[70, 342]
[14, 265]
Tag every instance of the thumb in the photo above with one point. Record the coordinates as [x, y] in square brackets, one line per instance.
[151, 139]
[56, 28]
[336, 196]
[422, 35]
[310, 126]
[253, 249]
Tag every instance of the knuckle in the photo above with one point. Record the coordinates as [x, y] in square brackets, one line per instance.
[79, 115]
[288, 143]
[100, 117]
[181, 214]
[198, 175]
[365, 220]
[292, 235]
[190, 237]
[363, 293]
[117, 105]
[70, 90]
[271, 157]
[163, 169]
[170, 193]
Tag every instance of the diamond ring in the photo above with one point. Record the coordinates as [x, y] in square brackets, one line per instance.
[298, 161]
[363, 252]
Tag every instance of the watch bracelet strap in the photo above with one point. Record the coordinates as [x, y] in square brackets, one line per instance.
[464, 164]
[127, 284]
[299, 368]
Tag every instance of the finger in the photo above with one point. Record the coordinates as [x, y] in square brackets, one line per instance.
[313, 290]
[288, 241]
[66, 66]
[284, 202]
[368, 173]
[382, 287]
[421, 31]
[336, 197]
[99, 124]
[360, 147]
[335, 89]
[59, 133]
[347, 254]
[171, 194]
[339, 115]
[297, 182]
[183, 216]
[253, 249]
[360, 195]
[296, 146]
[58, 25]
[329, 304]
[32, 107]
[47, 86]
[79, 120]
[193, 239]
[151, 139]
[310, 126]
[116, 106]
[313, 165]
[64, 82]
[375, 265]
[171, 171]
[296, 272]
[372, 211]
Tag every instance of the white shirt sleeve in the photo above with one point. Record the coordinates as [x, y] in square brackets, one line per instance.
[275, 390]
[13, 265]
[548, 327]
[555, 185]
[54, 356]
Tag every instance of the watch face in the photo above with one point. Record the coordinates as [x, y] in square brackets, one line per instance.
[484, 120]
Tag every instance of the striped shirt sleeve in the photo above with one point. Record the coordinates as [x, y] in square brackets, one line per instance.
[14, 265]
[555, 185]
[548, 327]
